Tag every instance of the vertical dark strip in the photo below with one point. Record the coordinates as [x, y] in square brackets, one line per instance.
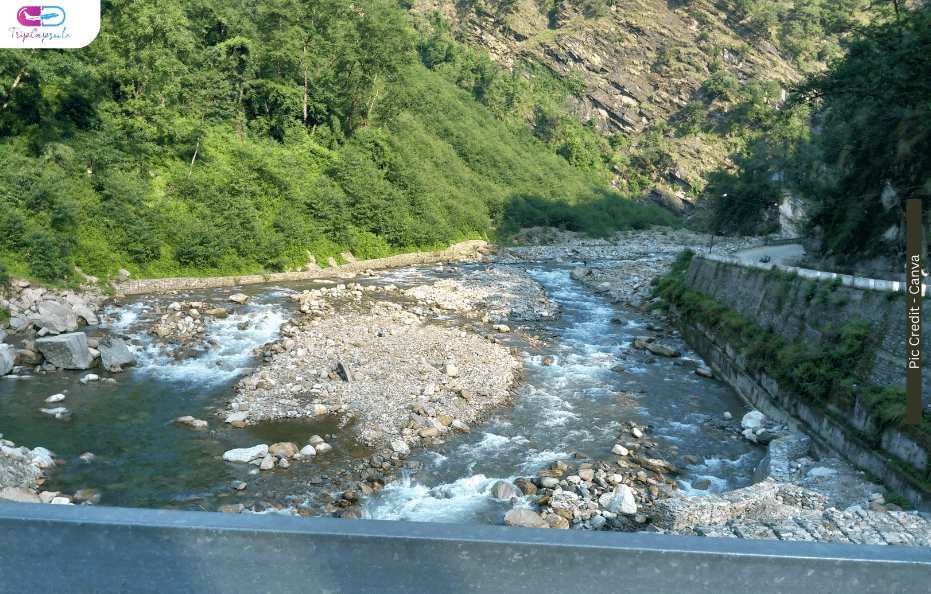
[913, 281]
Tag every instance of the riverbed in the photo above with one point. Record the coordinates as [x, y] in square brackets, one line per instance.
[569, 408]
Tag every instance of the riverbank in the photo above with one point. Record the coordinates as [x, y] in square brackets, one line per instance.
[459, 252]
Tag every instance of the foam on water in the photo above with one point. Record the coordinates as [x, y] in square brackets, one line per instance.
[214, 366]
[447, 502]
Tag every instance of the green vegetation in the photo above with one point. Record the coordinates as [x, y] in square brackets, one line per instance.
[872, 118]
[219, 138]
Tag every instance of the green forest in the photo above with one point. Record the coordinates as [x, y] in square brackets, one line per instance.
[241, 137]
[234, 137]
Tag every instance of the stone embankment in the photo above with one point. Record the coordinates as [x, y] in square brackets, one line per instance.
[621, 266]
[390, 367]
[45, 333]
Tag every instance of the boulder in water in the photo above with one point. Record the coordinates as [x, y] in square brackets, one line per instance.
[116, 354]
[246, 454]
[69, 351]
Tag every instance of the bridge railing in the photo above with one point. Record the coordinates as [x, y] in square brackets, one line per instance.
[82, 549]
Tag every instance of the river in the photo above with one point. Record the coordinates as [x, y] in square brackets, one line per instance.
[142, 459]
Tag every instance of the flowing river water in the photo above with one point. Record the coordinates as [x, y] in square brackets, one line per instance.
[141, 459]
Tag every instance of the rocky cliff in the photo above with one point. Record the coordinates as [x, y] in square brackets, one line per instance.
[641, 61]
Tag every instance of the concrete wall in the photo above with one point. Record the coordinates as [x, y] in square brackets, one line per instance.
[828, 437]
[764, 299]
[751, 292]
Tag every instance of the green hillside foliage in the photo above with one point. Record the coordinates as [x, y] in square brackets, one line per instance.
[234, 137]
[870, 133]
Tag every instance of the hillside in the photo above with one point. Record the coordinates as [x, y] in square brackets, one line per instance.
[220, 138]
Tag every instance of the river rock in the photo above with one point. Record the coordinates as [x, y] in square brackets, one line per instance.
[586, 474]
[701, 485]
[90, 377]
[549, 482]
[323, 448]
[619, 319]
[429, 432]
[315, 440]
[238, 416]
[451, 370]
[19, 495]
[580, 272]
[55, 317]
[620, 500]
[320, 409]
[521, 516]
[525, 486]
[400, 447]
[116, 354]
[549, 360]
[268, 462]
[55, 398]
[753, 420]
[503, 328]
[557, 522]
[69, 351]
[7, 358]
[620, 450]
[246, 454]
[460, 426]
[662, 351]
[636, 433]
[504, 490]
[283, 449]
[191, 422]
[308, 450]
[239, 298]
[703, 372]
[660, 466]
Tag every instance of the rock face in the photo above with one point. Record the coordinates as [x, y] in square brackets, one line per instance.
[7, 358]
[639, 62]
[116, 354]
[68, 351]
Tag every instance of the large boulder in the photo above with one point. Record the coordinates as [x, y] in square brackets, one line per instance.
[580, 272]
[521, 516]
[55, 317]
[116, 354]
[504, 490]
[86, 313]
[7, 358]
[66, 350]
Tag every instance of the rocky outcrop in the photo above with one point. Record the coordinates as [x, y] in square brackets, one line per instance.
[68, 351]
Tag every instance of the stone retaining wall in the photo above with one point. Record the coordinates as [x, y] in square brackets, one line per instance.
[828, 437]
[750, 291]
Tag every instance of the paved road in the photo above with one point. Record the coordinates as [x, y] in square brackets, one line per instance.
[787, 255]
